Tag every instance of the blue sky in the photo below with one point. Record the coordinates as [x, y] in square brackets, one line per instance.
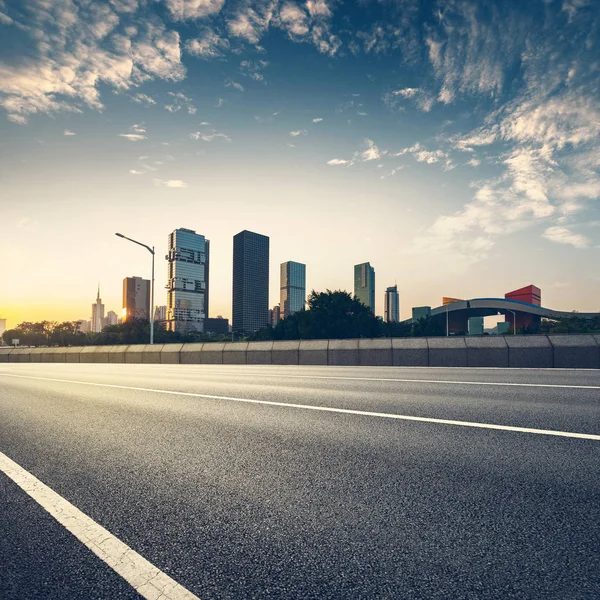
[452, 144]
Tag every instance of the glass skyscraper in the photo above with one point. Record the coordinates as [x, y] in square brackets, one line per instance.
[250, 281]
[364, 284]
[187, 281]
[392, 305]
[292, 288]
[136, 298]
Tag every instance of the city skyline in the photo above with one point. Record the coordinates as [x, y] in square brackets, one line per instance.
[452, 144]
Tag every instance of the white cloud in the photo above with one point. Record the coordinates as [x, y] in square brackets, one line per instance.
[68, 132]
[562, 235]
[170, 183]
[182, 10]
[474, 162]
[235, 85]
[317, 120]
[293, 19]
[298, 132]
[207, 45]
[209, 137]
[180, 101]
[135, 172]
[372, 152]
[132, 137]
[143, 99]
[338, 161]
[250, 24]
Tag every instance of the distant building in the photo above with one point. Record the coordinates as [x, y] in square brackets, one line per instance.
[187, 281]
[83, 325]
[392, 305]
[160, 313]
[475, 326]
[2, 330]
[111, 318]
[218, 325]
[530, 294]
[250, 281]
[97, 314]
[136, 298]
[503, 327]
[292, 288]
[421, 312]
[275, 313]
[364, 284]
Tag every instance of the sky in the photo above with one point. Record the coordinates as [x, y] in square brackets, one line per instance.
[452, 144]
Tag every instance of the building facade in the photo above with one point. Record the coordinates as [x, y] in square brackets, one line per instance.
[97, 321]
[292, 288]
[160, 313]
[250, 281]
[187, 281]
[421, 312]
[274, 315]
[475, 326]
[392, 305]
[111, 318]
[364, 284]
[136, 298]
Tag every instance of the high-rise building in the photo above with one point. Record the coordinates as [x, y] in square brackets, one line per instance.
[364, 284]
[160, 313]
[275, 314]
[111, 318]
[187, 281]
[392, 305]
[136, 298]
[97, 321]
[2, 330]
[421, 312]
[250, 281]
[292, 288]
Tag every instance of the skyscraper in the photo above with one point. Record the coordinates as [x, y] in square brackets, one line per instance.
[392, 305]
[97, 314]
[292, 288]
[364, 284]
[187, 281]
[250, 281]
[136, 298]
[111, 318]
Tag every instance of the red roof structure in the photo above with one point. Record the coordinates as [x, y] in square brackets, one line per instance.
[530, 294]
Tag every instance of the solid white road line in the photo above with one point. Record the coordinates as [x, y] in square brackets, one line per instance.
[345, 411]
[148, 581]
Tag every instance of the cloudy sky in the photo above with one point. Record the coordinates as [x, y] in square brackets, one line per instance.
[453, 144]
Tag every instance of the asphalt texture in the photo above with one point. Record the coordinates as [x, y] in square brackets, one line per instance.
[240, 500]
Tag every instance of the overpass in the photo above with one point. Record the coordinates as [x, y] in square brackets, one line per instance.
[526, 314]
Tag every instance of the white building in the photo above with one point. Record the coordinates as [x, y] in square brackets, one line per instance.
[97, 321]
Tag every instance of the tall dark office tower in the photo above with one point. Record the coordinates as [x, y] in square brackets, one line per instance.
[250, 281]
[292, 288]
[187, 282]
[364, 284]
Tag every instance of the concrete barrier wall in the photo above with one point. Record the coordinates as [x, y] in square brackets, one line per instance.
[560, 351]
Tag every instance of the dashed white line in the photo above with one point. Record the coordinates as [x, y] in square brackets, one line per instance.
[330, 409]
[148, 581]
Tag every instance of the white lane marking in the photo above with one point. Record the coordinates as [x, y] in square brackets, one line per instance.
[386, 379]
[147, 580]
[345, 411]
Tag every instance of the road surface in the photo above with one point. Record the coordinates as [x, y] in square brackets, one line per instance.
[302, 482]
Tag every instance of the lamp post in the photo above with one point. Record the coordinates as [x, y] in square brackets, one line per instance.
[514, 320]
[151, 311]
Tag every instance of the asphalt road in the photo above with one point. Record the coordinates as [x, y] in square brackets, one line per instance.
[237, 499]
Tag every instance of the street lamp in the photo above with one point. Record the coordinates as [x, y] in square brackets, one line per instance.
[514, 320]
[151, 311]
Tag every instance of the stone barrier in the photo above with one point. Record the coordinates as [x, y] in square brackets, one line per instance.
[529, 352]
[410, 352]
[375, 352]
[447, 352]
[170, 354]
[487, 351]
[20, 355]
[86, 355]
[313, 352]
[259, 353]
[72, 355]
[575, 351]
[235, 353]
[343, 353]
[286, 353]
[516, 351]
[116, 354]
